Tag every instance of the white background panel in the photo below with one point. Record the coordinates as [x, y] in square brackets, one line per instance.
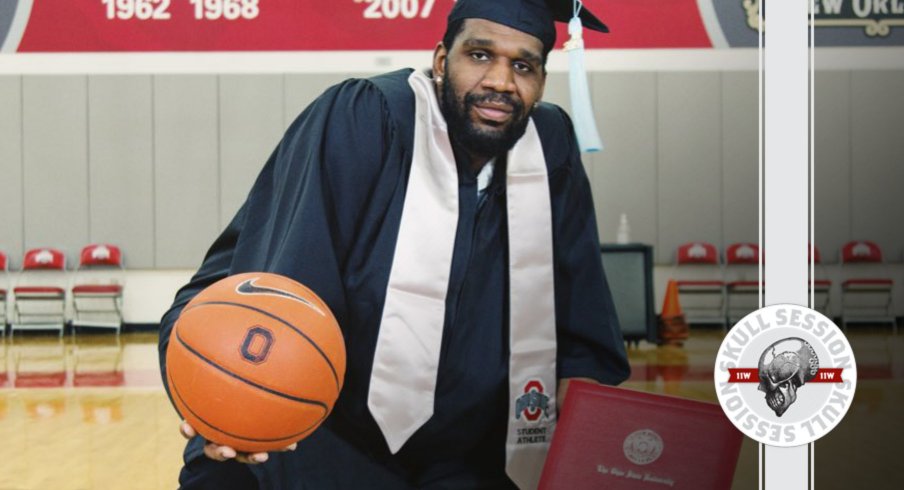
[251, 124]
[121, 166]
[178, 154]
[740, 157]
[625, 177]
[832, 166]
[186, 173]
[11, 168]
[690, 160]
[877, 154]
[55, 183]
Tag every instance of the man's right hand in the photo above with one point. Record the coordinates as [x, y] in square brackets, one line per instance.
[222, 453]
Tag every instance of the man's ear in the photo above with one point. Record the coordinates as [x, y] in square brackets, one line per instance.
[439, 60]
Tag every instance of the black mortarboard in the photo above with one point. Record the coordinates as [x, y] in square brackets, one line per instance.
[534, 17]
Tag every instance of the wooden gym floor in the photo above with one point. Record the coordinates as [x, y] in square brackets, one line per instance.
[90, 412]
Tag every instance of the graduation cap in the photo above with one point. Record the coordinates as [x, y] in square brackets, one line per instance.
[534, 17]
[537, 18]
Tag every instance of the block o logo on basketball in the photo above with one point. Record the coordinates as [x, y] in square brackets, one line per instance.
[257, 344]
[255, 362]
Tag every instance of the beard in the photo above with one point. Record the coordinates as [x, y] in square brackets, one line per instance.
[465, 132]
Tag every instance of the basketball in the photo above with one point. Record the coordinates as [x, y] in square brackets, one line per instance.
[255, 362]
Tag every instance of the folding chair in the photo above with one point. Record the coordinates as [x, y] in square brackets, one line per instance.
[97, 288]
[865, 297]
[4, 288]
[742, 286]
[699, 280]
[39, 293]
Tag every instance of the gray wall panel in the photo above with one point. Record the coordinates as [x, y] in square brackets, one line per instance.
[740, 157]
[877, 149]
[11, 225]
[55, 125]
[251, 124]
[185, 168]
[177, 155]
[625, 175]
[556, 91]
[121, 167]
[690, 160]
[832, 162]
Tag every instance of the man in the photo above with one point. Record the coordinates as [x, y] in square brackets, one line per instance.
[446, 219]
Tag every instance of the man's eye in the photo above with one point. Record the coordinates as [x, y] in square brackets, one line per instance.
[479, 56]
[523, 67]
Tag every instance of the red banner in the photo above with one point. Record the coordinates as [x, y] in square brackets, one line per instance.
[298, 25]
[752, 375]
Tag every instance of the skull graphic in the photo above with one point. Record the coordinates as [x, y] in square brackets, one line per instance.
[784, 367]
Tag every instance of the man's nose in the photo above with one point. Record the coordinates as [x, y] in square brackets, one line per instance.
[500, 77]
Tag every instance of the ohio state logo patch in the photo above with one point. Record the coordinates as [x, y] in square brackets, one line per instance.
[785, 375]
[534, 414]
[533, 403]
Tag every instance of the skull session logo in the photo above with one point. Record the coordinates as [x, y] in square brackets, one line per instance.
[785, 375]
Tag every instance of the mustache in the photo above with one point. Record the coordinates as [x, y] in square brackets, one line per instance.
[497, 98]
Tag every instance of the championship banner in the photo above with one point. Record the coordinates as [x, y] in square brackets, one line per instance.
[80, 26]
[91, 26]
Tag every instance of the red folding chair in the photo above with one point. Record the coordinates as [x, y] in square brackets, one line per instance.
[40, 294]
[698, 275]
[97, 288]
[4, 285]
[742, 286]
[865, 297]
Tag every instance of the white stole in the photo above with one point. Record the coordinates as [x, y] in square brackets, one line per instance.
[401, 395]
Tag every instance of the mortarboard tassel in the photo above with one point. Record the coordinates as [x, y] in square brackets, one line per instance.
[581, 106]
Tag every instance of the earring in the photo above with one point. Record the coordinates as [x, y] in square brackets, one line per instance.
[438, 80]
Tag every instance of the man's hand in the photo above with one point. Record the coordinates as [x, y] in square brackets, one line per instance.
[223, 453]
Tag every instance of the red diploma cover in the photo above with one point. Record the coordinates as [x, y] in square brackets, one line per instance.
[613, 438]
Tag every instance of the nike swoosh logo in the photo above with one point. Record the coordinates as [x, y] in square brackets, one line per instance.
[249, 288]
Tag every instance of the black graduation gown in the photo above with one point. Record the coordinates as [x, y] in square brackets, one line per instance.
[325, 211]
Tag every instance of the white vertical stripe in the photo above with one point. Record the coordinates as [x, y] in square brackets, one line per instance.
[760, 55]
[812, 174]
[786, 198]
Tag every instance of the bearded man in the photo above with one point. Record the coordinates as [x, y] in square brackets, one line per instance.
[446, 219]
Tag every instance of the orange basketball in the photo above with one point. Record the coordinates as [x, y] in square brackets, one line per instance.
[255, 362]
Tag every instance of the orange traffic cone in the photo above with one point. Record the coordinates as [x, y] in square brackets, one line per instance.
[673, 328]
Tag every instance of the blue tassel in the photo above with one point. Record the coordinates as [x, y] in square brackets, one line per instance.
[581, 106]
